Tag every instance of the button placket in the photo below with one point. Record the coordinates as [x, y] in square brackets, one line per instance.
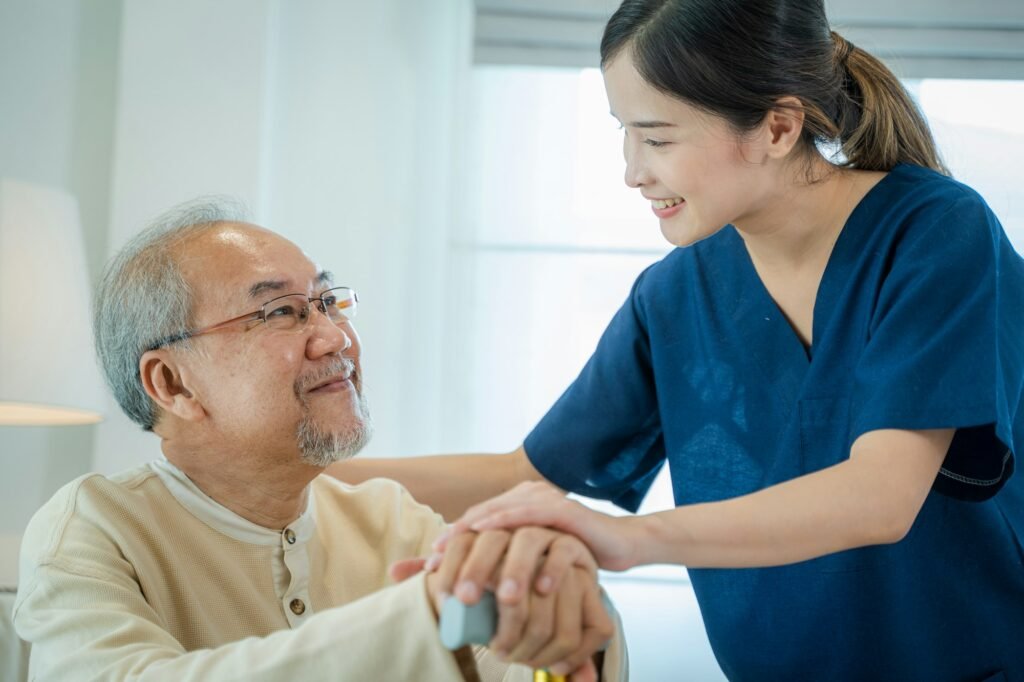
[296, 597]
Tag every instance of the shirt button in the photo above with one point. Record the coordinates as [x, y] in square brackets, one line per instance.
[297, 606]
[289, 536]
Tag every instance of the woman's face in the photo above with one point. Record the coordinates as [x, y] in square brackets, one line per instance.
[697, 173]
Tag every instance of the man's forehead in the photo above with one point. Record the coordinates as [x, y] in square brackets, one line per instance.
[236, 263]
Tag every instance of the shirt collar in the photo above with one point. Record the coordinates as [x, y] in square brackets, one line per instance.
[222, 519]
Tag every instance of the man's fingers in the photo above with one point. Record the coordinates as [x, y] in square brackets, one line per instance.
[531, 629]
[406, 568]
[586, 673]
[568, 624]
[525, 551]
[480, 564]
[598, 629]
[454, 555]
[564, 553]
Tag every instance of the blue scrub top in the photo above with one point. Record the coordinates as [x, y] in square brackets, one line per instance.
[918, 324]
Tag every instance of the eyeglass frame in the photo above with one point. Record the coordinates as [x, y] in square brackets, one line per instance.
[260, 315]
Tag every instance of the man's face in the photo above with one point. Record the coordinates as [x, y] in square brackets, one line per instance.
[270, 393]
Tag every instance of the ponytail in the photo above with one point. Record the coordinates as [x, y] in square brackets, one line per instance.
[878, 124]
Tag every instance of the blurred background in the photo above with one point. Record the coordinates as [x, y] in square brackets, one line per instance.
[454, 161]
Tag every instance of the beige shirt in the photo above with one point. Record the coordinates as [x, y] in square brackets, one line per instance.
[143, 577]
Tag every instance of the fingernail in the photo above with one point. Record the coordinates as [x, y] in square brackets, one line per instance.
[559, 669]
[433, 561]
[544, 584]
[508, 589]
[467, 591]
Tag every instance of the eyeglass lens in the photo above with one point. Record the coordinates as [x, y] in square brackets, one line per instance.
[289, 312]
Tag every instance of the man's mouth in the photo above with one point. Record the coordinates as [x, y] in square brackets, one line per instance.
[340, 382]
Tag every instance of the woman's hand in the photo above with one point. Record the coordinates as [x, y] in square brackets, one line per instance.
[541, 504]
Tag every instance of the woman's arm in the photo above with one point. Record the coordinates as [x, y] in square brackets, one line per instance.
[449, 484]
[871, 498]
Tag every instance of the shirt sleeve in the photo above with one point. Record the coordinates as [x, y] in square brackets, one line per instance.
[946, 347]
[86, 618]
[603, 437]
[97, 627]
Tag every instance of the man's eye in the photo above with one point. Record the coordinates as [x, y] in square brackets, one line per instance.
[283, 311]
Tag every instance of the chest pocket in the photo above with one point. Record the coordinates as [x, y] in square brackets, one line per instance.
[824, 442]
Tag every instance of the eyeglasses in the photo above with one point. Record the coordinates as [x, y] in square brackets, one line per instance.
[285, 313]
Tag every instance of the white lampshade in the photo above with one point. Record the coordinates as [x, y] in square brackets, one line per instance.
[48, 374]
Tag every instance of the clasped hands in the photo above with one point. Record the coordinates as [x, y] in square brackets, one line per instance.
[550, 610]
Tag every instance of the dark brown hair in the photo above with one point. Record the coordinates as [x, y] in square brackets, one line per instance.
[737, 58]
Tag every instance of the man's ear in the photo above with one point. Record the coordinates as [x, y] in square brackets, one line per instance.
[166, 383]
[782, 127]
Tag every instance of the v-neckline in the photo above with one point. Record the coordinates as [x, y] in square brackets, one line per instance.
[832, 265]
[766, 333]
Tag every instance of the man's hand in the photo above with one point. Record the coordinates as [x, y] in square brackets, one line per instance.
[560, 628]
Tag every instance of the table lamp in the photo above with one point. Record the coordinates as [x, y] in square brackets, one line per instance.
[48, 374]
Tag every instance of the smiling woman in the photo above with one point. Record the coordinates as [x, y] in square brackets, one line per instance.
[789, 361]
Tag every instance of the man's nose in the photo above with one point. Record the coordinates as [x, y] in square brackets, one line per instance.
[328, 337]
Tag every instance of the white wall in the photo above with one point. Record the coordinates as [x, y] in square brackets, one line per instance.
[334, 122]
[361, 180]
[191, 119]
[57, 83]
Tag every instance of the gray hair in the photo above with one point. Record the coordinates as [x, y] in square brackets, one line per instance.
[143, 297]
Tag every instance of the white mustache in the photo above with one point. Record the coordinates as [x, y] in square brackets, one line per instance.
[333, 368]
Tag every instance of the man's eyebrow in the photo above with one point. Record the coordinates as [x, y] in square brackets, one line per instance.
[323, 278]
[266, 285]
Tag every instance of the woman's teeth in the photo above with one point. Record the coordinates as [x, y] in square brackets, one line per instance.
[666, 203]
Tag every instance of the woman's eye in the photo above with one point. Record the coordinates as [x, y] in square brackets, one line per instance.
[655, 143]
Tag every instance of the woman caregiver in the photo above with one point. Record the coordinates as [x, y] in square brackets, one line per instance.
[831, 363]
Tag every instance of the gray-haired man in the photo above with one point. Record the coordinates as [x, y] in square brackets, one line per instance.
[234, 558]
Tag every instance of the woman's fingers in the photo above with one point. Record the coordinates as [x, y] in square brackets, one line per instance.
[529, 494]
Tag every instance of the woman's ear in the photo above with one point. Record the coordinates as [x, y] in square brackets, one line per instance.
[783, 125]
[166, 383]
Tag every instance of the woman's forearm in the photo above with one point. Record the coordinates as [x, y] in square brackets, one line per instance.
[872, 498]
[449, 484]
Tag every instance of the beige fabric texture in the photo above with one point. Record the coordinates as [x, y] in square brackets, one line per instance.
[120, 581]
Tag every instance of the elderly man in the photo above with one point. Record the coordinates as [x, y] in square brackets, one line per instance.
[234, 558]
